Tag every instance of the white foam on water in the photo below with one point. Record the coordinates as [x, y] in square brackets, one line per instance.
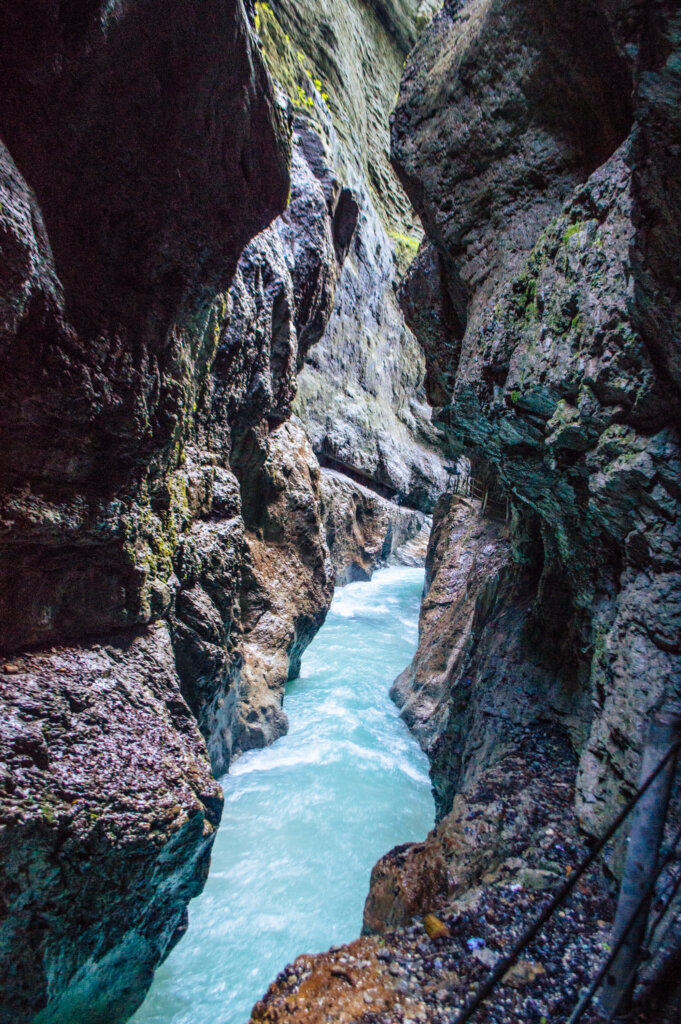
[275, 758]
[306, 819]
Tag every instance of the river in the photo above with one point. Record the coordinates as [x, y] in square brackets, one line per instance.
[306, 819]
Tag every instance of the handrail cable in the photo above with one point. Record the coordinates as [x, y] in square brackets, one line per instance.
[586, 998]
[646, 951]
[658, 920]
[564, 891]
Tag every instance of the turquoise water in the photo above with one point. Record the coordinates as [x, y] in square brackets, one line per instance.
[306, 819]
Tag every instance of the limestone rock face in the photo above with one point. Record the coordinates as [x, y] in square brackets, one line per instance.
[487, 668]
[156, 515]
[364, 530]
[252, 564]
[287, 585]
[144, 156]
[360, 394]
[467, 557]
[108, 811]
[546, 191]
[223, 497]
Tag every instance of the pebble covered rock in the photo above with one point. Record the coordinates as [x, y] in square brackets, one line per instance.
[407, 976]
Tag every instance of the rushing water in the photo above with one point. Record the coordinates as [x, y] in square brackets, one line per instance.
[306, 819]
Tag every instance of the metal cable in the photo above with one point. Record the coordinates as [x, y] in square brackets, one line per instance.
[566, 888]
[645, 951]
[586, 998]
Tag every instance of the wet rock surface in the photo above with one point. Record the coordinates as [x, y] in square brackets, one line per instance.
[468, 554]
[108, 810]
[542, 348]
[252, 557]
[360, 394]
[365, 530]
[127, 200]
[288, 581]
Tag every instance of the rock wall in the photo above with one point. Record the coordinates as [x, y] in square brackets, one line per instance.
[536, 158]
[253, 557]
[139, 166]
[162, 558]
[360, 392]
[542, 179]
[108, 815]
[467, 560]
[365, 530]
[175, 222]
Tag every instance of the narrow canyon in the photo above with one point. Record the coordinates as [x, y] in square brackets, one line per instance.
[340, 360]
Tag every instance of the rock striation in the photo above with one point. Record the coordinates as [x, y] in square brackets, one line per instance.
[536, 177]
[360, 392]
[468, 560]
[365, 530]
[163, 562]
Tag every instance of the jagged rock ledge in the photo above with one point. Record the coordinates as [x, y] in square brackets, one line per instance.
[365, 530]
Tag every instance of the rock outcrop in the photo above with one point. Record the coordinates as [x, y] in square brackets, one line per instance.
[252, 564]
[288, 586]
[365, 530]
[360, 392]
[468, 557]
[108, 814]
[536, 177]
[142, 158]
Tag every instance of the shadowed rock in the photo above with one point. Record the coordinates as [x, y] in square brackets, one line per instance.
[140, 156]
[519, 138]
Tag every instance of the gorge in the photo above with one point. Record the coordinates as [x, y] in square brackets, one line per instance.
[303, 807]
[281, 287]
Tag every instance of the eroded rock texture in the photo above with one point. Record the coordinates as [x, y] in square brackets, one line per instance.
[467, 561]
[141, 161]
[365, 530]
[487, 667]
[360, 395]
[534, 140]
[288, 585]
[159, 514]
[252, 563]
[108, 816]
